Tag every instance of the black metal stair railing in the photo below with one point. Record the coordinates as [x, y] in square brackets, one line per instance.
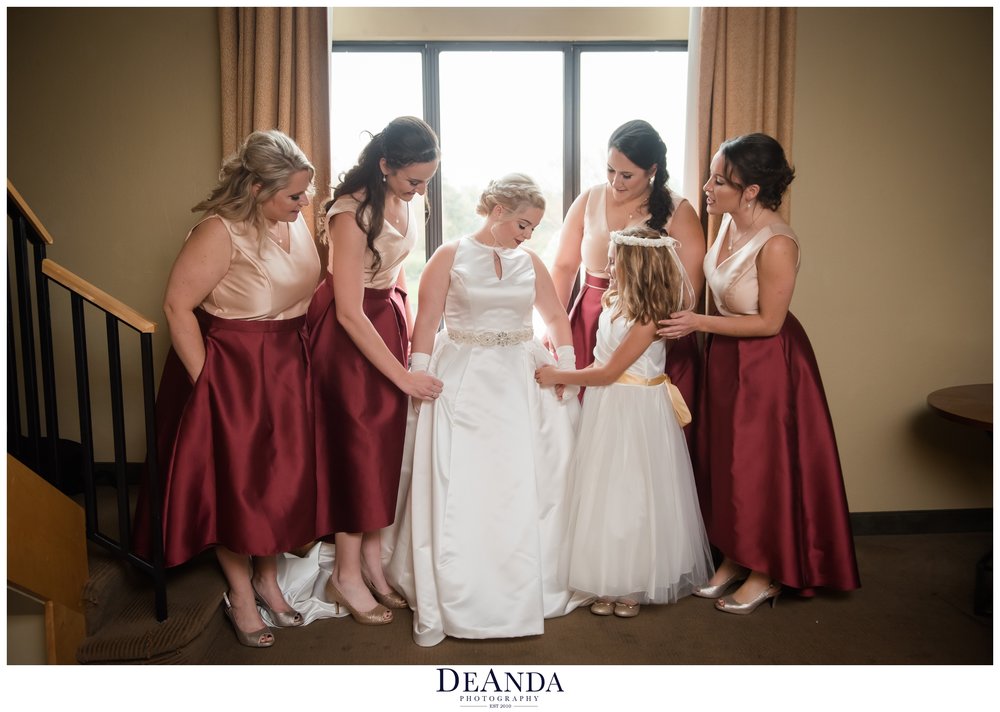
[24, 432]
[32, 391]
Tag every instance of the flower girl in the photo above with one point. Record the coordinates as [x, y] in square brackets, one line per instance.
[635, 533]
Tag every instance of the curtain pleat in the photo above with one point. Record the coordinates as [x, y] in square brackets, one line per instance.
[275, 66]
[746, 83]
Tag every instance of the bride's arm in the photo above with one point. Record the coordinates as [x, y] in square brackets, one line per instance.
[548, 305]
[434, 283]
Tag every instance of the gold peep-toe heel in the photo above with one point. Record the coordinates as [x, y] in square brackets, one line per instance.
[393, 599]
[262, 638]
[738, 576]
[379, 615]
[726, 604]
[282, 619]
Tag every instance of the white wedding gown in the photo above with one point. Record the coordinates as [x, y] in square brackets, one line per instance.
[481, 519]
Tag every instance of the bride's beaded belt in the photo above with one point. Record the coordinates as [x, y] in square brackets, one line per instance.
[491, 338]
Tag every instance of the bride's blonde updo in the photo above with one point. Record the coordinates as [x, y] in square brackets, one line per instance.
[512, 192]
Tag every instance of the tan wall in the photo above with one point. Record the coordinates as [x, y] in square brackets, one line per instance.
[893, 200]
[509, 23]
[113, 134]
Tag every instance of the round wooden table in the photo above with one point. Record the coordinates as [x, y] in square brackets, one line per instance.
[969, 405]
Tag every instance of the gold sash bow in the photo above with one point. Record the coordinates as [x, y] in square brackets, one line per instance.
[676, 399]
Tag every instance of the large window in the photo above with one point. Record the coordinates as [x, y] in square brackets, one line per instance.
[357, 114]
[616, 86]
[545, 109]
[500, 113]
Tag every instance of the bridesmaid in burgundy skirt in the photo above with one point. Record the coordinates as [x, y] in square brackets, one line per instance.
[770, 483]
[359, 326]
[234, 410]
[635, 193]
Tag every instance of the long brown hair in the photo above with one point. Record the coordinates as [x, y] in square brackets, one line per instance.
[404, 141]
[640, 143]
[648, 281]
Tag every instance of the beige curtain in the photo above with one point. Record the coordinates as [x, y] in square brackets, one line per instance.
[746, 83]
[276, 75]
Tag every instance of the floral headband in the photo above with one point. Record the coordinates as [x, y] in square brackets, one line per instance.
[687, 298]
[620, 238]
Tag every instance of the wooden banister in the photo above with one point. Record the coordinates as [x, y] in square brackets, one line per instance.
[61, 462]
[105, 301]
[29, 214]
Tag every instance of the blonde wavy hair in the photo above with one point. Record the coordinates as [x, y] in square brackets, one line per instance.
[649, 282]
[267, 159]
[511, 192]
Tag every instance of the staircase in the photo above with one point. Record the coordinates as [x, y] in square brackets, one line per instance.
[46, 556]
[121, 618]
[104, 604]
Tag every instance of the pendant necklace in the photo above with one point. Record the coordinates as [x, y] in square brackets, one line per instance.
[631, 213]
[276, 236]
[397, 220]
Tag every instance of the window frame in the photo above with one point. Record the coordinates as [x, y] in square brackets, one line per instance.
[430, 61]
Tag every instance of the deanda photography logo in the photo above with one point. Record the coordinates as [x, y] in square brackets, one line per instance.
[497, 689]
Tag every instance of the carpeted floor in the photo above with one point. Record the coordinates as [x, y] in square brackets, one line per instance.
[915, 607]
[909, 639]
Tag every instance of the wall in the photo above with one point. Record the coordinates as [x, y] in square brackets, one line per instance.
[113, 134]
[509, 23]
[893, 201]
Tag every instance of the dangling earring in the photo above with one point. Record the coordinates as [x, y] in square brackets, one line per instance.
[383, 177]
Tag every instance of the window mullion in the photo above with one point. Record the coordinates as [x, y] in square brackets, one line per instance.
[571, 126]
[434, 234]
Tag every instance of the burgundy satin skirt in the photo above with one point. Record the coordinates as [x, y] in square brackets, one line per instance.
[360, 414]
[583, 318]
[769, 481]
[683, 358]
[236, 453]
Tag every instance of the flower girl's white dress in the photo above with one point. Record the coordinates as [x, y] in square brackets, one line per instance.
[635, 527]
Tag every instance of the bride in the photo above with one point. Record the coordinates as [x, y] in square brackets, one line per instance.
[476, 545]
